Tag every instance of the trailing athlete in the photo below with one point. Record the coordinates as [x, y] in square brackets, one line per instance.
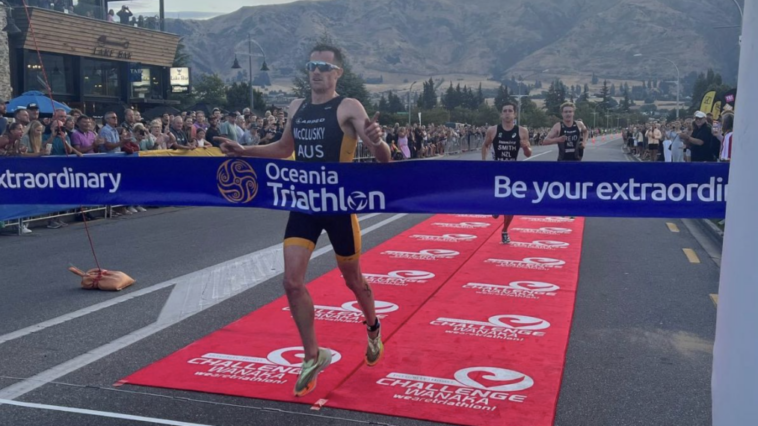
[324, 129]
[570, 135]
[506, 139]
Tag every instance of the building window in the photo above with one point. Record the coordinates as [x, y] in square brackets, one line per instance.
[147, 82]
[59, 70]
[101, 78]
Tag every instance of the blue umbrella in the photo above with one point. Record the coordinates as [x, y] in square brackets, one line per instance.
[35, 97]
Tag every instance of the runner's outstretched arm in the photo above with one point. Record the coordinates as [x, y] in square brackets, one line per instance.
[282, 148]
[368, 130]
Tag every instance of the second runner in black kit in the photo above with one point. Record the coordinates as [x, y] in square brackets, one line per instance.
[323, 129]
[506, 139]
[570, 135]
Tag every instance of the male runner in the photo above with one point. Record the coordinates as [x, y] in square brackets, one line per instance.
[570, 135]
[324, 129]
[506, 139]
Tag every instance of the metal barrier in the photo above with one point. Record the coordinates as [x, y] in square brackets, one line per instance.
[453, 146]
[54, 215]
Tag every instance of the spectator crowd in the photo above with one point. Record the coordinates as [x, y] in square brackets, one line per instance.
[700, 138]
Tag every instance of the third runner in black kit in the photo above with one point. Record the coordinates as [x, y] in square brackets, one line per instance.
[506, 139]
[570, 135]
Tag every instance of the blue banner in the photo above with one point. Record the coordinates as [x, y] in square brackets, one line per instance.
[679, 190]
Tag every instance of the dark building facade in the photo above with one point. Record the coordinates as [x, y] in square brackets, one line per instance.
[90, 64]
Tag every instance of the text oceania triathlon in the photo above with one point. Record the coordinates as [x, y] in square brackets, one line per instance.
[713, 190]
[67, 179]
[283, 180]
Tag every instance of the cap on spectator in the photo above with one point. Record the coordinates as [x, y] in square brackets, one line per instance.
[231, 114]
[700, 114]
[32, 106]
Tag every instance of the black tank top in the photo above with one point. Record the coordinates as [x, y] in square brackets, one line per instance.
[318, 135]
[506, 143]
[569, 150]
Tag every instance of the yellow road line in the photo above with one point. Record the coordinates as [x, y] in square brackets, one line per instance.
[672, 227]
[715, 299]
[691, 255]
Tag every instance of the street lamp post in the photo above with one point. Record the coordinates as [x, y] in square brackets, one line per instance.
[410, 90]
[677, 81]
[264, 67]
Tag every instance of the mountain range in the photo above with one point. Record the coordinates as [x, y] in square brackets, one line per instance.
[620, 39]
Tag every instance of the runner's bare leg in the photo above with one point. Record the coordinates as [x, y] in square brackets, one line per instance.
[301, 304]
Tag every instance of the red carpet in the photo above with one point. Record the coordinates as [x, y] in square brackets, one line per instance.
[257, 356]
[489, 347]
[486, 345]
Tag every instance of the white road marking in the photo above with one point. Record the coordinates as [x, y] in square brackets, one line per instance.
[248, 260]
[18, 389]
[108, 414]
[541, 153]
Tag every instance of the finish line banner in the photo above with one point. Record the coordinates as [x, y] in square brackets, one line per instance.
[677, 190]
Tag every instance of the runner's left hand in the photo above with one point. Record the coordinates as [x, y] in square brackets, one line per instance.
[373, 130]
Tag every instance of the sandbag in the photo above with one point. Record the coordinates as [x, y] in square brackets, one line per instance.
[101, 279]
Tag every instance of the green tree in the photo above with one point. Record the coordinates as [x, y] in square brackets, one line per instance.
[349, 85]
[448, 99]
[594, 79]
[605, 104]
[613, 90]
[395, 104]
[210, 88]
[556, 95]
[626, 103]
[238, 97]
[428, 98]
[479, 96]
[383, 106]
[502, 97]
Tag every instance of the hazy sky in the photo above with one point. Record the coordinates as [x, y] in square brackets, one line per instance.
[190, 8]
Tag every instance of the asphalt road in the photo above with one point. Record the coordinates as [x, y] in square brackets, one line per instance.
[640, 349]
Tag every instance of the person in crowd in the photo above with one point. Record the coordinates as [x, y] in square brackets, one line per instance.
[161, 140]
[31, 142]
[60, 141]
[189, 128]
[703, 146]
[3, 120]
[142, 139]
[212, 133]
[239, 126]
[200, 122]
[34, 112]
[111, 16]
[726, 145]
[124, 14]
[129, 120]
[200, 139]
[228, 129]
[84, 139]
[179, 139]
[402, 142]
[110, 142]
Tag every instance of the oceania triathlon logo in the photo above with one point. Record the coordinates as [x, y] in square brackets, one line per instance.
[237, 181]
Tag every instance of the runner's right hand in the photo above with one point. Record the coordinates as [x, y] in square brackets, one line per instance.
[230, 147]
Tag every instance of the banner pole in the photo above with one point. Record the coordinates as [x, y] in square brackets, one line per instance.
[734, 382]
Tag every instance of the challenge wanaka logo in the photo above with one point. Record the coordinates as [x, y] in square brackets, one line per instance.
[503, 327]
[475, 388]
[518, 289]
[278, 368]
[237, 181]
